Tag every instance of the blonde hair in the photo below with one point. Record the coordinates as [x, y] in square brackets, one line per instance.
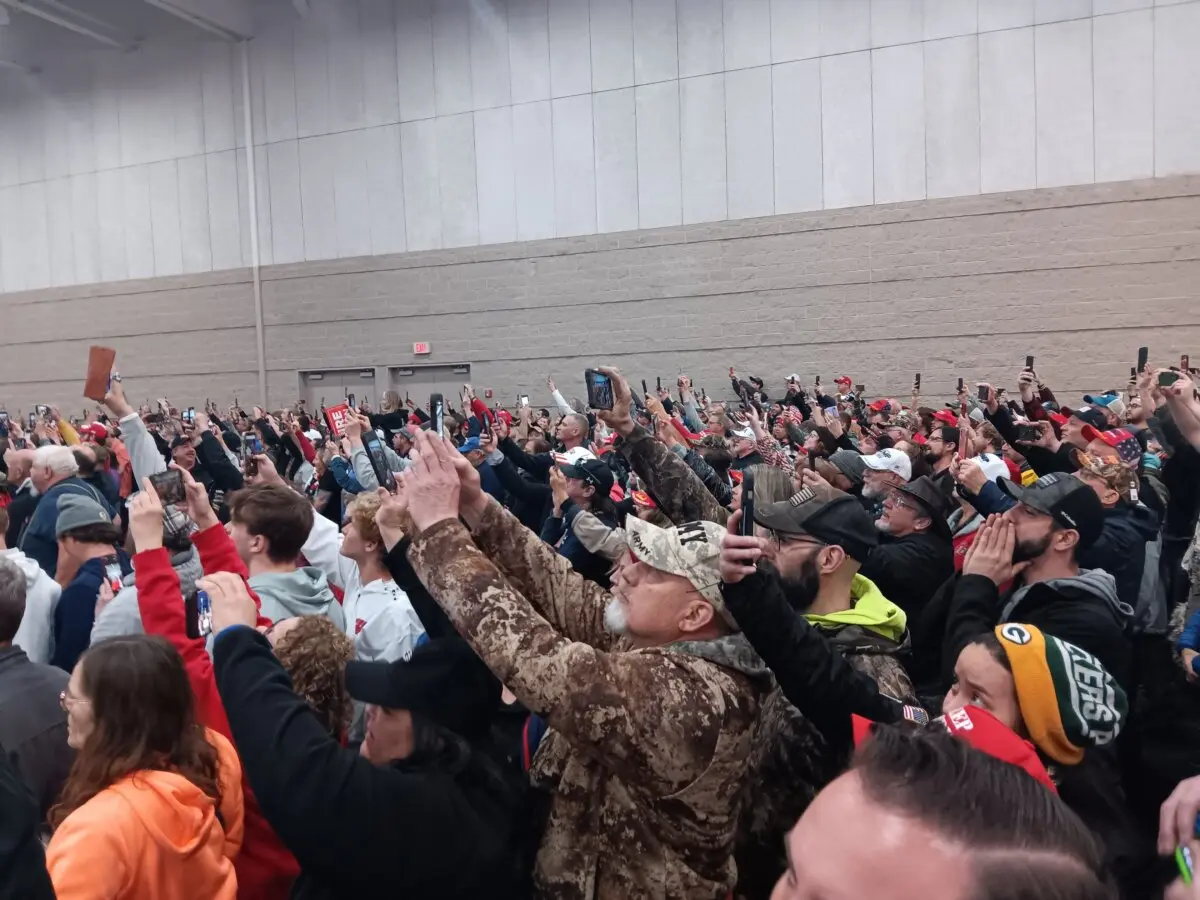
[362, 513]
[390, 401]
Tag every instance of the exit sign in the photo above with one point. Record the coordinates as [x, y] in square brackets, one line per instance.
[421, 348]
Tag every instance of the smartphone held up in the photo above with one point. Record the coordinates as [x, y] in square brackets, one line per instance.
[599, 389]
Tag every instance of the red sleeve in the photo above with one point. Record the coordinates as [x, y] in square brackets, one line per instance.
[161, 606]
[306, 447]
[482, 413]
[218, 554]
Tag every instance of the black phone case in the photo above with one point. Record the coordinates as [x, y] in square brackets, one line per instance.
[747, 525]
[383, 472]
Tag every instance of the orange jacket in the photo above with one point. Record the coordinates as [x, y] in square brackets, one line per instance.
[152, 834]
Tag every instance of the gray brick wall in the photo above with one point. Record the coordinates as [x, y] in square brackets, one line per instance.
[1079, 277]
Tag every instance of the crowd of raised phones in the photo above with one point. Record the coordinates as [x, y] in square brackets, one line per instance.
[801, 642]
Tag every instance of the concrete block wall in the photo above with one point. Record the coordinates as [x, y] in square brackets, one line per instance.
[1077, 276]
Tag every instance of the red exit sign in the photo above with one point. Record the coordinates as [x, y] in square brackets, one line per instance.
[421, 348]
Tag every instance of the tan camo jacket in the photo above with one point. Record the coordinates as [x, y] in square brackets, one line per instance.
[647, 749]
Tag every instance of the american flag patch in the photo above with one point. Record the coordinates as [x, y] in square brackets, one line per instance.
[916, 714]
[802, 497]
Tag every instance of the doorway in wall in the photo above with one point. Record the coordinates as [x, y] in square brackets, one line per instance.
[332, 386]
[418, 382]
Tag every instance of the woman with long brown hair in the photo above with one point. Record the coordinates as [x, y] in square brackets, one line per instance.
[153, 804]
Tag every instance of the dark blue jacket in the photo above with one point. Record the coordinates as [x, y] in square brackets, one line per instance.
[1121, 548]
[559, 533]
[39, 542]
[76, 611]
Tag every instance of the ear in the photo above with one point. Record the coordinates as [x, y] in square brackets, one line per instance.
[696, 615]
[372, 546]
[830, 559]
[922, 523]
[258, 543]
[1067, 539]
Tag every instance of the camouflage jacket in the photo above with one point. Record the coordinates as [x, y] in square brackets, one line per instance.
[791, 761]
[647, 750]
[678, 491]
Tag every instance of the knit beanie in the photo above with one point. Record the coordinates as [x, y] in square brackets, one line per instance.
[1068, 700]
[79, 511]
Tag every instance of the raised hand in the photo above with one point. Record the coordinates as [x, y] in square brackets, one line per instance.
[231, 600]
[739, 555]
[991, 555]
[432, 482]
[620, 417]
[146, 518]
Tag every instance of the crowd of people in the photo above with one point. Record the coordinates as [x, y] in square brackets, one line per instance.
[799, 642]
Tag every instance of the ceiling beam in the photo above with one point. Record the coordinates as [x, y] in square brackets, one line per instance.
[228, 19]
[64, 17]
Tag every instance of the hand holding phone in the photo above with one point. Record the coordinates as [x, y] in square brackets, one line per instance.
[599, 389]
[747, 523]
[169, 487]
[437, 414]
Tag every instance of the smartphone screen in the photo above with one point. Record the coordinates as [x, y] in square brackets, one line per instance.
[523, 400]
[253, 445]
[983, 393]
[859, 388]
[1168, 378]
[917, 382]
[747, 527]
[113, 574]
[599, 389]
[169, 486]
[1029, 363]
[197, 614]
[379, 463]
[1143, 358]
[960, 385]
[1028, 434]
[437, 412]
[189, 414]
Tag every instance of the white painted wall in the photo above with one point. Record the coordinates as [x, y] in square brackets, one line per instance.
[393, 125]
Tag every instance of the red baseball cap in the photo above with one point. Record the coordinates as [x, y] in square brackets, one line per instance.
[1059, 419]
[845, 379]
[983, 731]
[878, 405]
[946, 417]
[95, 431]
[920, 439]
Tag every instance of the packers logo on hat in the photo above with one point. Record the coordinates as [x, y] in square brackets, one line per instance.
[1015, 633]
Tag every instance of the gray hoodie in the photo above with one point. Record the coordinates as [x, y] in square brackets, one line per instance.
[1096, 582]
[124, 616]
[304, 592]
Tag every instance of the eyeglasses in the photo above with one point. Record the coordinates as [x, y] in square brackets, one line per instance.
[897, 499]
[65, 700]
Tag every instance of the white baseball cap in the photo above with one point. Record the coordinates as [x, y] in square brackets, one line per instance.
[993, 466]
[574, 456]
[888, 460]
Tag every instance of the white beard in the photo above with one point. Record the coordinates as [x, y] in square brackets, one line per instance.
[874, 492]
[614, 617]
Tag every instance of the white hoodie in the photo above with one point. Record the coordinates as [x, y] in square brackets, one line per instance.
[380, 618]
[36, 634]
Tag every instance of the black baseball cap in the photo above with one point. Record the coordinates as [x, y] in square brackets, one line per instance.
[826, 514]
[443, 680]
[1089, 415]
[591, 471]
[1066, 499]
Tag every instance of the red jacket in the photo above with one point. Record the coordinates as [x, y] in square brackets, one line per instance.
[265, 868]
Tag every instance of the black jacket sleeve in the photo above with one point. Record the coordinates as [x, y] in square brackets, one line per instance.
[523, 489]
[715, 484]
[1043, 461]
[22, 859]
[225, 474]
[974, 610]
[538, 464]
[432, 616]
[815, 677]
[347, 821]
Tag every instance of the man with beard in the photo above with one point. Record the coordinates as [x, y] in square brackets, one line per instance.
[815, 543]
[916, 553]
[1023, 567]
[885, 470]
[939, 452]
[650, 692]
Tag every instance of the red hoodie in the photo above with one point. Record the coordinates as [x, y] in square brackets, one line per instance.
[265, 868]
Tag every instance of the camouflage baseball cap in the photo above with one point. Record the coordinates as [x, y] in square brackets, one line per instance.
[692, 550]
